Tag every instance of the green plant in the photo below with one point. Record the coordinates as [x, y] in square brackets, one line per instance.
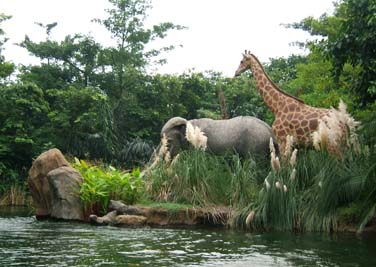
[136, 152]
[316, 194]
[202, 179]
[102, 185]
[369, 202]
[278, 201]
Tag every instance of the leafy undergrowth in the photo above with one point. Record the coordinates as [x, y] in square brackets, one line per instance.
[312, 192]
[102, 184]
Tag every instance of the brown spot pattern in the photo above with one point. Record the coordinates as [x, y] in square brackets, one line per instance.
[291, 117]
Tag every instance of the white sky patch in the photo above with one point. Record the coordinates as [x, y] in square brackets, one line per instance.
[218, 30]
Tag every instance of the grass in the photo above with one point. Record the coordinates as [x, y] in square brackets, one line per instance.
[15, 196]
[323, 188]
[170, 206]
[323, 193]
[200, 179]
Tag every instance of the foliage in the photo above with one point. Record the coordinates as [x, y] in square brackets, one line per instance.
[6, 68]
[80, 62]
[8, 177]
[196, 178]
[283, 70]
[81, 121]
[368, 204]
[136, 152]
[125, 22]
[23, 132]
[348, 38]
[368, 118]
[23, 116]
[104, 184]
[73, 61]
[243, 99]
[315, 197]
[355, 43]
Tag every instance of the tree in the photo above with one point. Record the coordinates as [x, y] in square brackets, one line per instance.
[348, 38]
[356, 44]
[73, 61]
[126, 25]
[81, 122]
[23, 120]
[283, 70]
[6, 68]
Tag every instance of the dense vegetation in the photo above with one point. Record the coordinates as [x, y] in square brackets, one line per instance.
[98, 103]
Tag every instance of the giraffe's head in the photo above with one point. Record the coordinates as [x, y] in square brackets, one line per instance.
[245, 63]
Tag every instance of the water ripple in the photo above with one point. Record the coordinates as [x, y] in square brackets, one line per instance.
[25, 241]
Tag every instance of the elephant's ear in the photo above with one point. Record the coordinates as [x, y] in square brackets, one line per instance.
[174, 123]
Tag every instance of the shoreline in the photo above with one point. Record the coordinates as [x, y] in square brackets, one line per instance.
[159, 217]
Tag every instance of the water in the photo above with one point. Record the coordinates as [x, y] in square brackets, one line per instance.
[25, 241]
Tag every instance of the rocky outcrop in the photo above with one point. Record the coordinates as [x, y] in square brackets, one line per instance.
[65, 193]
[54, 187]
[124, 215]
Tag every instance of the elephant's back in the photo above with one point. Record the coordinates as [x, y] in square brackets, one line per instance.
[244, 134]
[236, 125]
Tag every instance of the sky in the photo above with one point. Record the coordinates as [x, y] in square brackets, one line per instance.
[218, 30]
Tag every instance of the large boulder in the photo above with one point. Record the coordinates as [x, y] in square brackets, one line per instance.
[54, 186]
[65, 183]
[38, 183]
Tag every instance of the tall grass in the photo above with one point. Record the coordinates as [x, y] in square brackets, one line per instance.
[16, 195]
[322, 187]
[317, 193]
[203, 180]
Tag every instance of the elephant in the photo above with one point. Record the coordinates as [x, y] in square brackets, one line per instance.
[244, 135]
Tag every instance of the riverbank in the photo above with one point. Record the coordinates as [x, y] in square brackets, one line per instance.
[172, 215]
[317, 193]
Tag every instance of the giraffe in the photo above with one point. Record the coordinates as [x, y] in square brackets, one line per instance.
[293, 118]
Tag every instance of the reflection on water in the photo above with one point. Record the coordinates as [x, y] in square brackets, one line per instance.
[25, 241]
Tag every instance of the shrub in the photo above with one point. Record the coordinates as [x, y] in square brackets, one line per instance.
[136, 152]
[104, 184]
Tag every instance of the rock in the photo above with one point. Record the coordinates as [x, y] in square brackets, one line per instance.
[130, 220]
[121, 208]
[124, 215]
[38, 183]
[109, 218]
[65, 185]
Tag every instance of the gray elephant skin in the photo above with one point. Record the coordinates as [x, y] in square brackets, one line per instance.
[245, 135]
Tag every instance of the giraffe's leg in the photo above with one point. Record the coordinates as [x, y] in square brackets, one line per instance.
[281, 141]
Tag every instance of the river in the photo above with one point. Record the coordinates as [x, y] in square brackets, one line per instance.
[24, 241]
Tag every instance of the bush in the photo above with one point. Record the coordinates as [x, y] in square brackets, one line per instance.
[104, 184]
[135, 153]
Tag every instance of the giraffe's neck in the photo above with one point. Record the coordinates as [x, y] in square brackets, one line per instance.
[273, 97]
